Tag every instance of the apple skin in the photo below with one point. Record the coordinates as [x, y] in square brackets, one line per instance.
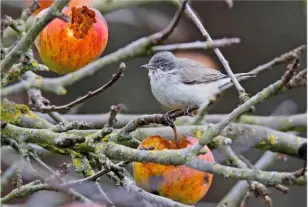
[179, 183]
[66, 47]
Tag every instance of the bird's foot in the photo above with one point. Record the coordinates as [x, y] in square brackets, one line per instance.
[168, 120]
[189, 109]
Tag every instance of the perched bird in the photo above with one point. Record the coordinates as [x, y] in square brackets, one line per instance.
[179, 83]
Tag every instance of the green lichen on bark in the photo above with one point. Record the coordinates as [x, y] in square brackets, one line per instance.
[81, 164]
[21, 115]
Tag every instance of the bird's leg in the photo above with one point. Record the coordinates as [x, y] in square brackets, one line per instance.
[304, 168]
[302, 152]
[190, 108]
[168, 120]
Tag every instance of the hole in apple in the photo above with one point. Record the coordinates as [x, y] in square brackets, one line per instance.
[82, 19]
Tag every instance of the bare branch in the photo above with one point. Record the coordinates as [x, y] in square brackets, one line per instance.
[284, 58]
[31, 188]
[174, 22]
[235, 195]
[7, 21]
[37, 100]
[114, 110]
[257, 188]
[243, 96]
[92, 177]
[27, 12]
[299, 80]
[130, 186]
[197, 45]
[66, 107]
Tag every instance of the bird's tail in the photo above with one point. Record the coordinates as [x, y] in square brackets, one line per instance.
[244, 76]
[239, 77]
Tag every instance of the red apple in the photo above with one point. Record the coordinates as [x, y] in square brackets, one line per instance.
[66, 47]
[179, 183]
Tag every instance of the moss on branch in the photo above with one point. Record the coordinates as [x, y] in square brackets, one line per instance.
[46, 138]
[21, 115]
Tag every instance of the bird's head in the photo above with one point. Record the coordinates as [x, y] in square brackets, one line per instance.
[164, 61]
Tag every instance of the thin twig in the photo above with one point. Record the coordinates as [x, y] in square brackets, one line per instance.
[103, 195]
[155, 200]
[174, 22]
[299, 79]
[37, 100]
[7, 21]
[27, 190]
[241, 91]
[26, 13]
[235, 195]
[114, 110]
[66, 107]
[257, 188]
[92, 177]
[197, 45]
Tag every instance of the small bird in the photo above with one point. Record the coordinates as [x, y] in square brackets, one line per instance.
[179, 83]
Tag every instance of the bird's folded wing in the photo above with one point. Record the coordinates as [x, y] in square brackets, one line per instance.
[196, 73]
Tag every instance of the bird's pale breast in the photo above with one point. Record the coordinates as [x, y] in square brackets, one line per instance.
[172, 93]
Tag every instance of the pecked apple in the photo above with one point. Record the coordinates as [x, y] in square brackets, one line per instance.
[67, 46]
[177, 182]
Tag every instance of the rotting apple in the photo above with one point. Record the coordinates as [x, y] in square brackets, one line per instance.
[179, 183]
[67, 46]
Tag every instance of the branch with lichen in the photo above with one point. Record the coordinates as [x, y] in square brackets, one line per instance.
[234, 196]
[257, 188]
[21, 115]
[177, 157]
[36, 186]
[90, 148]
[297, 122]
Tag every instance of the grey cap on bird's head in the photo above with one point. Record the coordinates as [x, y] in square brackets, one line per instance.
[160, 60]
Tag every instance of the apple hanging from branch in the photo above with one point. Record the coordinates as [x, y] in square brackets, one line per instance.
[67, 46]
[177, 182]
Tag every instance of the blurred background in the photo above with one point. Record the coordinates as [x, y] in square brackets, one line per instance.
[267, 29]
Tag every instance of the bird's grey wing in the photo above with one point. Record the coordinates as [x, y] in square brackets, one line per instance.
[195, 73]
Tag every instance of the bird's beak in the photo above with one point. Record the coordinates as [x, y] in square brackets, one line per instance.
[147, 66]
